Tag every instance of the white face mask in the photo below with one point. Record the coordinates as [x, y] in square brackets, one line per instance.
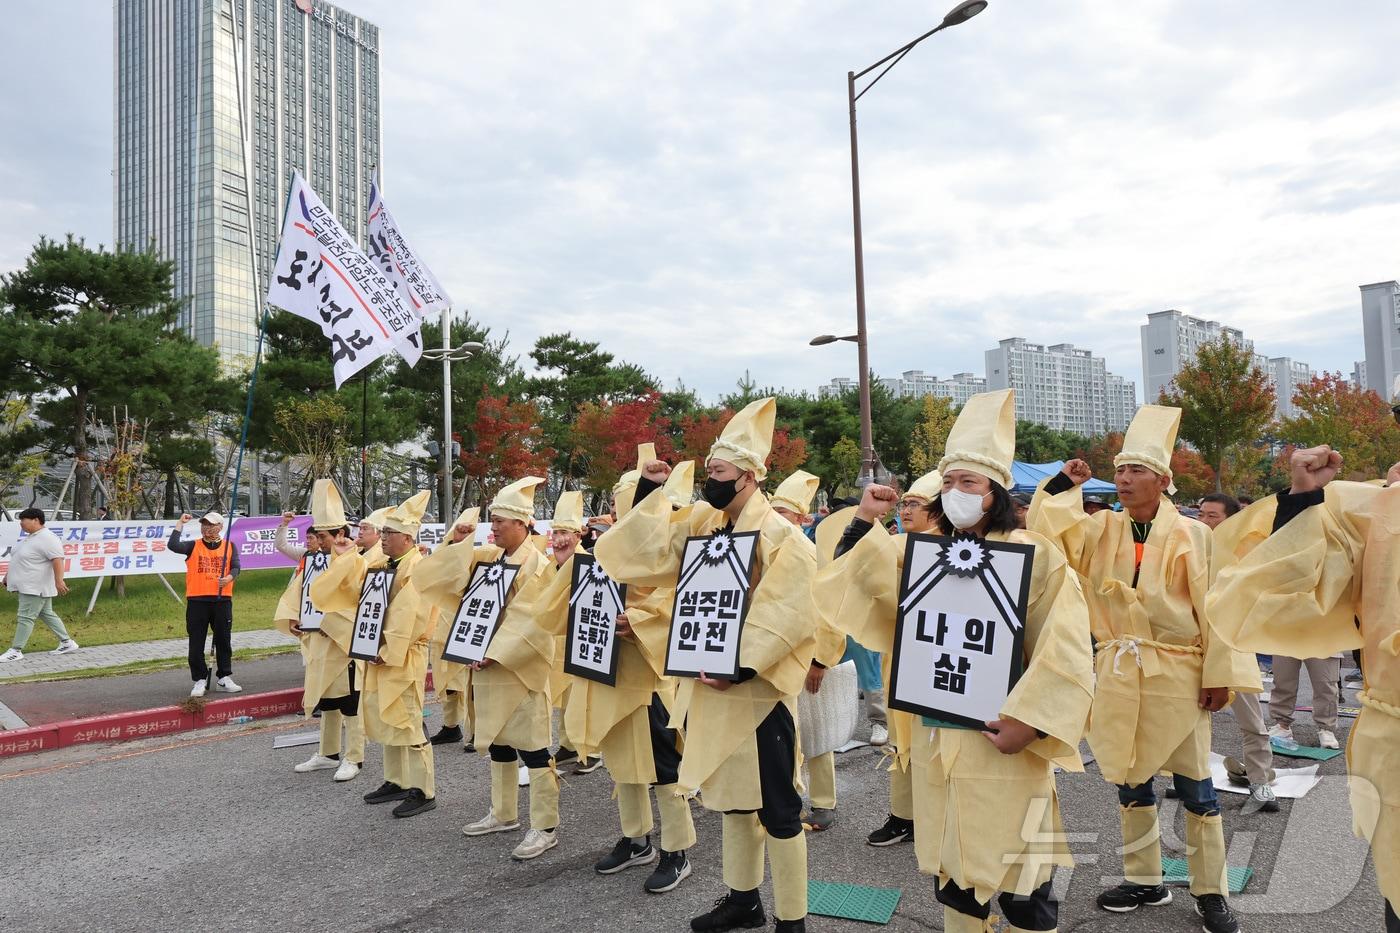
[964, 509]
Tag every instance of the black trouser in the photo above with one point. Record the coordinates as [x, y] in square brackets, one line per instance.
[538, 758]
[665, 754]
[781, 813]
[1037, 911]
[201, 614]
[1392, 922]
[348, 705]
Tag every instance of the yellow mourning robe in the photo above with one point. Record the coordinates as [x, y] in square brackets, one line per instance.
[325, 653]
[614, 721]
[1156, 651]
[391, 699]
[1299, 593]
[644, 549]
[983, 820]
[511, 696]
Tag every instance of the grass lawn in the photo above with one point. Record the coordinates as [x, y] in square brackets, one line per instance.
[147, 612]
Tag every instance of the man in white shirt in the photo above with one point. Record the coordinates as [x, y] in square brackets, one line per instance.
[36, 577]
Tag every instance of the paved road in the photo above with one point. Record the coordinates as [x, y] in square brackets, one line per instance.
[214, 832]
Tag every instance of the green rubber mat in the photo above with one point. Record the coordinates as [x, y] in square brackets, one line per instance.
[1306, 751]
[852, 901]
[1174, 871]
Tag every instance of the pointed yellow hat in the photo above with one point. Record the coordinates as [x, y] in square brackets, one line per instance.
[983, 439]
[1150, 440]
[927, 487]
[327, 508]
[624, 490]
[471, 516]
[409, 515]
[796, 492]
[376, 518]
[747, 439]
[680, 485]
[517, 500]
[568, 512]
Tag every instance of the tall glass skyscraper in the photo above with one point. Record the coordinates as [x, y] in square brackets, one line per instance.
[305, 75]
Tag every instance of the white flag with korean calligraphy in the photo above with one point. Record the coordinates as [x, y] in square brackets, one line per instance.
[323, 276]
[398, 261]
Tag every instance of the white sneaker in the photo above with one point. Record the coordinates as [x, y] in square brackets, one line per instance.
[199, 687]
[536, 843]
[317, 762]
[14, 654]
[522, 777]
[1327, 739]
[226, 685]
[64, 647]
[879, 734]
[346, 771]
[488, 824]
[1280, 731]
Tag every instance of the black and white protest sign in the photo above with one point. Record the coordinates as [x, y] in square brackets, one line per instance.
[371, 613]
[961, 627]
[590, 642]
[479, 612]
[310, 618]
[712, 597]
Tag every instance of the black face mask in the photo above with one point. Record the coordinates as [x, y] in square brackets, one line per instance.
[719, 493]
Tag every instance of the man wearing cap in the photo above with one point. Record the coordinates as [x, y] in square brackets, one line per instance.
[392, 698]
[453, 681]
[331, 684]
[628, 725]
[211, 566]
[1161, 668]
[741, 737]
[510, 687]
[985, 803]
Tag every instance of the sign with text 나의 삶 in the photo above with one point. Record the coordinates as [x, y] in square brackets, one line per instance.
[479, 612]
[590, 642]
[712, 598]
[371, 613]
[960, 629]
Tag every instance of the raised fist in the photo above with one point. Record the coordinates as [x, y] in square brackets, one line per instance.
[343, 546]
[287, 517]
[185, 517]
[657, 471]
[1314, 468]
[1393, 477]
[876, 502]
[1078, 471]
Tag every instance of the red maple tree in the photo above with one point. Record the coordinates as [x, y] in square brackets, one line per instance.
[506, 443]
[606, 435]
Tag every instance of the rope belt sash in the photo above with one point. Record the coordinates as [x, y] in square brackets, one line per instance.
[1378, 704]
[1131, 644]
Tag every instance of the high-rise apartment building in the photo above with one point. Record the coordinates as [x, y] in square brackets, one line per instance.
[298, 78]
[1380, 324]
[915, 383]
[1287, 377]
[1061, 386]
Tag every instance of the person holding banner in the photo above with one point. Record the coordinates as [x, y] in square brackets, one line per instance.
[565, 538]
[453, 681]
[626, 723]
[984, 801]
[211, 566]
[1161, 668]
[331, 682]
[751, 605]
[1325, 579]
[380, 598]
[491, 592]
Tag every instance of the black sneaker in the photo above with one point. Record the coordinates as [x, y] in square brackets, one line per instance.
[625, 854]
[447, 735]
[386, 792]
[1216, 913]
[674, 869]
[563, 755]
[1128, 897]
[792, 926]
[732, 912]
[470, 745]
[819, 819]
[588, 765]
[415, 803]
[894, 831]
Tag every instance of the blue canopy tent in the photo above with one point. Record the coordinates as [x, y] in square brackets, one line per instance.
[1028, 476]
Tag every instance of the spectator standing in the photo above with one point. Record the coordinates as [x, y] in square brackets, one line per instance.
[211, 565]
[36, 577]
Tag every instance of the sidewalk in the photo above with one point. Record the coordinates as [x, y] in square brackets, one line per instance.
[117, 655]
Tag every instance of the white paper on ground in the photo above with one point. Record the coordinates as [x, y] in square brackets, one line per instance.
[291, 740]
[1291, 783]
[851, 746]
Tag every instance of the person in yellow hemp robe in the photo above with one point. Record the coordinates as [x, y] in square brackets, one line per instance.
[453, 681]
[392, 697]
[628, 725]
[1161, 670]
[565, 536]
[1333, 559]
[985, 805]
[510, 687]
[741, 742]
[331, 680]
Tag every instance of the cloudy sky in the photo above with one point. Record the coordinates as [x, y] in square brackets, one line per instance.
[673, 179]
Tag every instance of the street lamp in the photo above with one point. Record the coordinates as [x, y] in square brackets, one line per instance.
[959, 14]
[449, 355]
[825, 339]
